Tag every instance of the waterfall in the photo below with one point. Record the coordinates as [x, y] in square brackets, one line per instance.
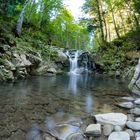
[78, 61]
[74, 62]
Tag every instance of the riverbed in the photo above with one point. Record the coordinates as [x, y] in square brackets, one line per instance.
[48, 103]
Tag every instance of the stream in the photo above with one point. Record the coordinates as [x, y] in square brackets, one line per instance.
[50, 103]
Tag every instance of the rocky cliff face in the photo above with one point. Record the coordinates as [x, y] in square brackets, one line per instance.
[17, 64]
[134, 85]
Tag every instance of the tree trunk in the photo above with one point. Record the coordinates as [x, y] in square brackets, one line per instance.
[31, 9]
[100, 20]
[134, 15]
[20, 20]
[114, 22]
[123, 25]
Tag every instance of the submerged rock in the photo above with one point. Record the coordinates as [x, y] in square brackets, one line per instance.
[119, 136]
[112, 118]
[75, 136]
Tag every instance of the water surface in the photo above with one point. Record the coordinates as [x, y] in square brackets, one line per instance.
[52, 103]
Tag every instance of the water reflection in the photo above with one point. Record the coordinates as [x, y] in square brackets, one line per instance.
[63, 99]
[73, 81]
[34, 134]
[89, 104]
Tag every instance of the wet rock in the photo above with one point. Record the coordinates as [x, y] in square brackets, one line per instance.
[135, 111]
[133, 125]
[94, 130]
[130, 132]
[119, 136]
[75, 136]
[128, 98]
[107, 129]
[117, 128]
[127, 105]
[137, 101]
[111, 118]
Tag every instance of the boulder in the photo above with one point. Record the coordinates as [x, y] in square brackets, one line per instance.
[127, 105]
[134, 85]
[112, 118]
[119, 136]
[93, 130]
[133, 125]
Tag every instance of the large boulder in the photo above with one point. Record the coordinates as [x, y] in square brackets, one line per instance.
[134, 85]
[111, 118]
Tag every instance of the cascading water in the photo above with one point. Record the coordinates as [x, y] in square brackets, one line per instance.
[74, 62]
[73, 59]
